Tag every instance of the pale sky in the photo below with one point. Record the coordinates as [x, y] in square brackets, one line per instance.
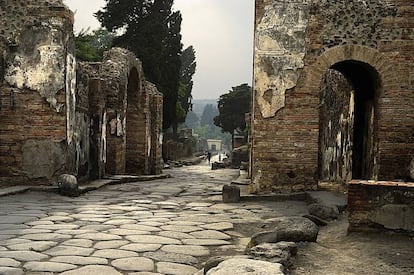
[221, 32]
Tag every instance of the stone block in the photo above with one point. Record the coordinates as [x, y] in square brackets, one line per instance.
[68, 185]
[231, 194]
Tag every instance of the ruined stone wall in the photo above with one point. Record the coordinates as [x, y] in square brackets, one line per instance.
[38, 74]
[296, 42]
[127, 116]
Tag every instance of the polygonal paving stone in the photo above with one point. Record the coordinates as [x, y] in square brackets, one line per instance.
[58, 218]
[5, 226]
[176, 269]
[79, 260]
[78, 242]
[2, 248]
[152, 239]
[120, 222]
[192, 250]
[171, 257]
[97, 227]
[63, 250]
[74, 231]
[125, 232]
[24, 256]
[10, 271]
[110, 244]
[199, 204]
[140, 227]
[141, 247]
[6, 237]
[16, 220]
[35, 245]
[205, 242]
[211, 234]
[23, 231]
[48, 267]
[218, 226]
[176, 235]
[9, 262]
[57, 226]
[93, 270]
[181, 228]
[98, 236]
[114, 254]
[189, 223]
[46, 237]
[134, 264]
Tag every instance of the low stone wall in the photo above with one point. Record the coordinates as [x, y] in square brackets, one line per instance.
[379, 205]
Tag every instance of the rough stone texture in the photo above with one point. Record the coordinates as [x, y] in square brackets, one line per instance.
[93, 270]
[68, 185]
[231, 193]
[246, 267]
[411, 169]
[371, 44]
[134, 264]
[290, 229]
[380, 205]
[59, 116]
[323, 211]
[281, 252]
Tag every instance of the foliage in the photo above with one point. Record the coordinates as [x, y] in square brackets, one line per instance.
[188, 69]
[232, 109]
[192, 120]
[90, 46]
[151, 30]
[207, 117]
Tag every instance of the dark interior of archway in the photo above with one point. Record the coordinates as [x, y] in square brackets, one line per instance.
[365, 83]
[133, 144]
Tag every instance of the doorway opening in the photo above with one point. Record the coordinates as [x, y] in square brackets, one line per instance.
[135, 131]
[347, 135]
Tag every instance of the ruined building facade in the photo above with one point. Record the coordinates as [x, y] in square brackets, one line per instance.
[333, 92]
[58, 115]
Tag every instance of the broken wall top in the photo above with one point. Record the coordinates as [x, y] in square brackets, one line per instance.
[18, 15]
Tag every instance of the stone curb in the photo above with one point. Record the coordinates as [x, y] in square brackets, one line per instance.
[83, 188]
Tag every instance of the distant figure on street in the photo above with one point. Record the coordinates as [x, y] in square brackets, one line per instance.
[219, 156]
[208, 157]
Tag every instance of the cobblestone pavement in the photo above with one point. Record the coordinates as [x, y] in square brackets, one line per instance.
[168, 226]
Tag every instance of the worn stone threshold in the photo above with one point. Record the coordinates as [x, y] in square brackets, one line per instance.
[84, 187]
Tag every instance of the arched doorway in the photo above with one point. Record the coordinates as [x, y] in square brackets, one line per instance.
[135, 127]
[348, 115]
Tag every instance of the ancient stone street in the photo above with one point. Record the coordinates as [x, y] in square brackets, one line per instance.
[168, 226]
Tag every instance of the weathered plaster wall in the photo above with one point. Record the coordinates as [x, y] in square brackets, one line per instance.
[285, 137]
[279, 53]
[36, 39]
[336, 120]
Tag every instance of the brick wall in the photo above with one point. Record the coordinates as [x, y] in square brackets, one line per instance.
[285, 120]
[380, 205]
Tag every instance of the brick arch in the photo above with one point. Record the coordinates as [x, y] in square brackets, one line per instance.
[359, 53]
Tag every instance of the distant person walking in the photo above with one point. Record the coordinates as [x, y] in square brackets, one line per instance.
[208, 157]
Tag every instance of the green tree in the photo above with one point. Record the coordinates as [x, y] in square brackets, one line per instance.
[192, 120]
[207, 117]
[188, 69]
[91, 46]
[151, 30]
[232, 108]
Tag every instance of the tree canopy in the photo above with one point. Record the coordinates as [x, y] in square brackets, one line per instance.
[188, 69]
[232, 108]
[151, 30]
[90, 46]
